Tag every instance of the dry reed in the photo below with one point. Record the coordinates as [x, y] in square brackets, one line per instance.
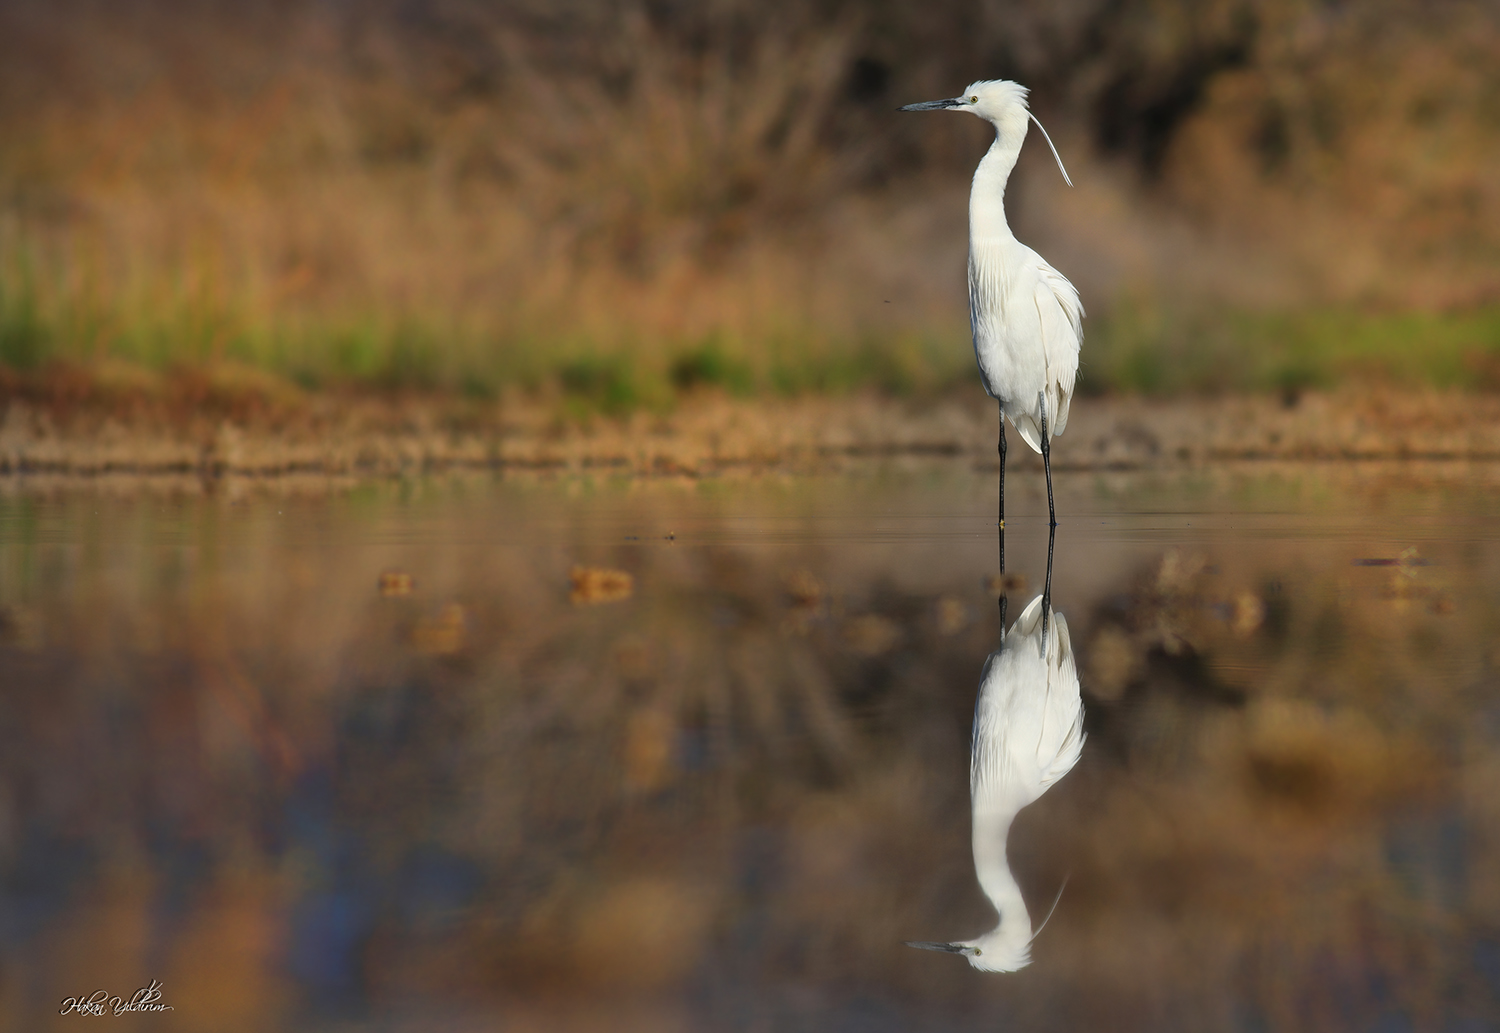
[624, 202]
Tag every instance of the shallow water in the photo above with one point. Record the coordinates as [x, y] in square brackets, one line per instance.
[354, 760]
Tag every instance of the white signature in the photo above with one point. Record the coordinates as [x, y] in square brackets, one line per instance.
[147, 998]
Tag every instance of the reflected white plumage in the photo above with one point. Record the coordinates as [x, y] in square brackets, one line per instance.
[1028, 733]
[1026, 318]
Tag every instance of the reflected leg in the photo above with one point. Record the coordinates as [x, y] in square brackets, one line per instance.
[1002, 489]
[1046, 591]
[1047, 588]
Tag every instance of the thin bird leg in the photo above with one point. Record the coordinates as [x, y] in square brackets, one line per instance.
[1047, 588]
[1047, 462]
[1002, 489]
[1046, 591]
[1004, 595]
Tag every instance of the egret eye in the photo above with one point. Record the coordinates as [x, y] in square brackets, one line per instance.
[977, 952]
[974, 98]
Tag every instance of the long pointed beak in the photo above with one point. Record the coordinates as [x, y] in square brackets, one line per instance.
[951, 948]
[933, 105]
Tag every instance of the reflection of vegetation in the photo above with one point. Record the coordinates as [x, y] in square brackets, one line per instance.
[754, 768]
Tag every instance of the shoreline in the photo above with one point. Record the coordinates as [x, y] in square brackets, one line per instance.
[704, 436]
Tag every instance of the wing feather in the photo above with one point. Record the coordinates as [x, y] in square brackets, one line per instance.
[1063, 709]
[1060, 311]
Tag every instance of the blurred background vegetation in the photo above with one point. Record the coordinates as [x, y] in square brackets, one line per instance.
[622, 201]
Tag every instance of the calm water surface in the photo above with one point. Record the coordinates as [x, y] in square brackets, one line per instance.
[356, 760]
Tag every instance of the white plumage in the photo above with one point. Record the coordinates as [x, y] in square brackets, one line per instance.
[1028, 733]
[1026, 318]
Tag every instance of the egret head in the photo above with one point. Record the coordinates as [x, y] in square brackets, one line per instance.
[997, 951]
[1000, 102]
[1005, 948]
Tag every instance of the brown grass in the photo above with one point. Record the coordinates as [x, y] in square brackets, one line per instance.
[323, 220]
[478, 196]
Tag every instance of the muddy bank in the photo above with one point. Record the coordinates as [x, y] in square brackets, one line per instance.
[378, 437]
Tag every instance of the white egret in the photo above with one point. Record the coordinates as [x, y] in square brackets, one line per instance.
[1026, 317]
[1028, 733]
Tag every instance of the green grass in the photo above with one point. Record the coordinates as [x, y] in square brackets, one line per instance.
[177, 324]
[24, 336]
[1140, 348]
[710, 364]
[1148, 350]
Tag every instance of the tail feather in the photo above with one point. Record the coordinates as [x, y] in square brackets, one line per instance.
[1064, 403]
[1029, 428]
[1029, 423]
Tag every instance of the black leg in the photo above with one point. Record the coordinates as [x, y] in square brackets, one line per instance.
[1047, 466]
[1004, 597]
[1002, 489]
[1047, 587]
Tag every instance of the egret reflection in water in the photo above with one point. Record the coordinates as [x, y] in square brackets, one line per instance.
[1028, 733]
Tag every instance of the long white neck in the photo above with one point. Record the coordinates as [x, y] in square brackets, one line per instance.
[987, 198]
[1007, 947]
[991, 830]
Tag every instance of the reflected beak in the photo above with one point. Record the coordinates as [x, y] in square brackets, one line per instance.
[951, 948]
[934, 105]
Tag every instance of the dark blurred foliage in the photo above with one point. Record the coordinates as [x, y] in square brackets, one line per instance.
[1130, 72]
[315, 186]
